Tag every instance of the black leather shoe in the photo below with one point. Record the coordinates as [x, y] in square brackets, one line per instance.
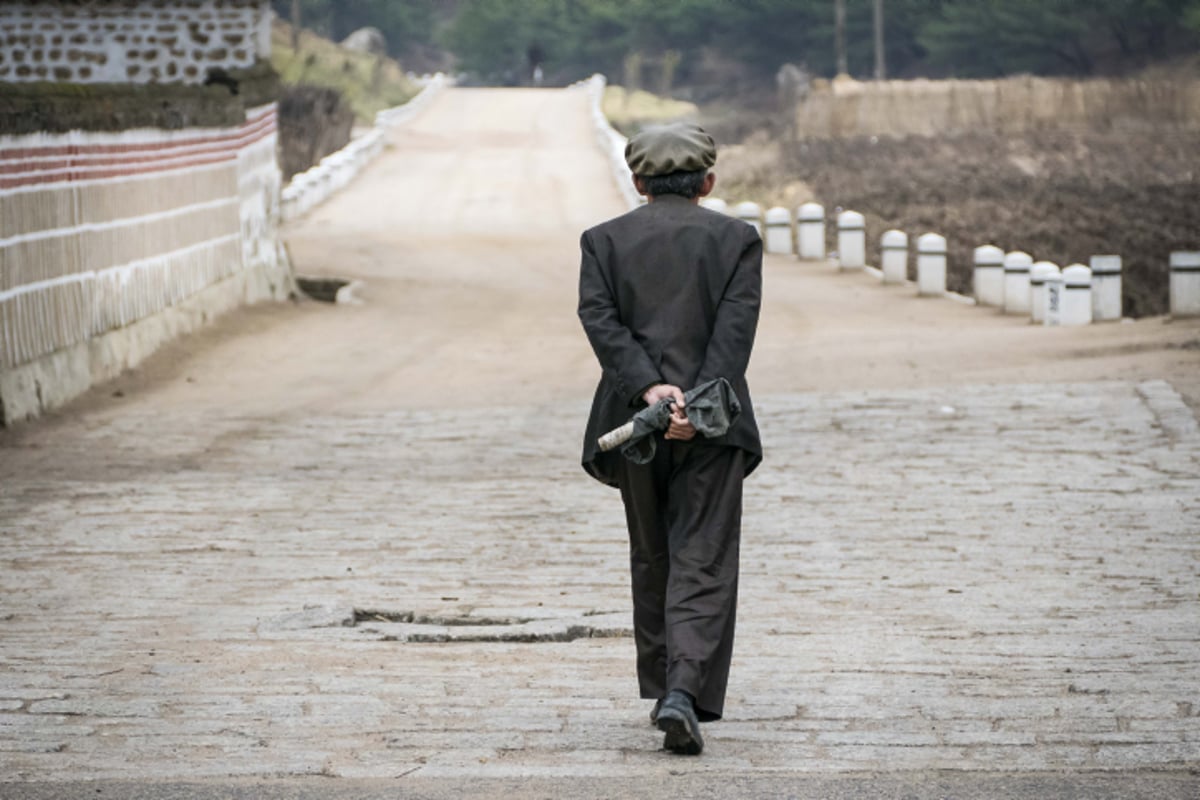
[677, 719]
[654, 711]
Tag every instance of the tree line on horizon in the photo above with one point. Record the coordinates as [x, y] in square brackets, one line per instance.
[502, 40]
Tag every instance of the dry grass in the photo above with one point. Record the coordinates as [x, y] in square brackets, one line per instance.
[1062, 196]
[369, 83]
[629, 112]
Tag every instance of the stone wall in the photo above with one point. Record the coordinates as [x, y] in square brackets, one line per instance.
[845, 107]
[137, 41]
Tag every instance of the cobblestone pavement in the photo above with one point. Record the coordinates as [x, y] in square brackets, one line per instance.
[983, 578]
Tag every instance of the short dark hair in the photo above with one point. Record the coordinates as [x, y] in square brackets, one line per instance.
[685, 184]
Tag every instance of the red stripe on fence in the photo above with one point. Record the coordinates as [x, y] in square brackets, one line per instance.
[263, 124]
[46, 164]
[84, 162]
[100, 173]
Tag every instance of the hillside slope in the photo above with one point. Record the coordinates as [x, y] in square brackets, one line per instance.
[368, 83]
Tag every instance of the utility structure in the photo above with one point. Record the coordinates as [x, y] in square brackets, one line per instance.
[839, 39]
[880, 55]
[839, 36]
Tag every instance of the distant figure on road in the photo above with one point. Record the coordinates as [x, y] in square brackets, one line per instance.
[534, 55]
[669, 298]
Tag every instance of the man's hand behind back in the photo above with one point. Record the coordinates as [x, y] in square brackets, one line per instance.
[680, 428]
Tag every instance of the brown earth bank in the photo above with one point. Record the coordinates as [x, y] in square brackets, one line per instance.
[314, 121]
[1062, 196]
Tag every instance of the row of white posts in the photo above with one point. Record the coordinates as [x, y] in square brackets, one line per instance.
[1011, 282]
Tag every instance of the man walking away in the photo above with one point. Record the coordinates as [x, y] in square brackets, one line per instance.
[669, 298]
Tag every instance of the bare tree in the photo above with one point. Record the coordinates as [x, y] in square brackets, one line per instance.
[295, 26]
[839, 36]
[880, 54]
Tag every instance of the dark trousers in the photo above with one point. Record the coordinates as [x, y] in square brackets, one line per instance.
[684, 511]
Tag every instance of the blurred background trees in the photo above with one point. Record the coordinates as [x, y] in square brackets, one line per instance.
[494, 39]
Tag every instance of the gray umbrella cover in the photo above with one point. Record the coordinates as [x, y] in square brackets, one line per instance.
[711, 407]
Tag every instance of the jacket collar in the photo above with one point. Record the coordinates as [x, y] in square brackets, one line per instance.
[671, 199]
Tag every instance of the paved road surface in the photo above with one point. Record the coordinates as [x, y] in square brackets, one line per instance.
[355, 541]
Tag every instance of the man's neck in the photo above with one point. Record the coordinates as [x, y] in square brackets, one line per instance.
[673, 198]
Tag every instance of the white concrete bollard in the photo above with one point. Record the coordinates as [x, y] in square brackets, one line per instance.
[810, 231]
[1039, 274]
[1077, 295]
[779, 230]
[988, 279]
[1185, 284]
[1106, 288]
[931, 265]
[894, 249]
[1016, 282]
[1054, 298]
[750, 213]
[715, 204]
[852, 240]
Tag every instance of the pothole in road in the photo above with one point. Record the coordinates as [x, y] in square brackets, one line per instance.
[329, 290]
[412, 618]
[416, 628]
[441, 628]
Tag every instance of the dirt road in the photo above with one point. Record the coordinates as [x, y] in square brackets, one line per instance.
[304, 543]
[465, 235]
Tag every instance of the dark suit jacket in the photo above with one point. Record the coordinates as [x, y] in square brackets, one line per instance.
[668, 293]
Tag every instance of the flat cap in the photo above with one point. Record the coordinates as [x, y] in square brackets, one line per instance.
[663, 149]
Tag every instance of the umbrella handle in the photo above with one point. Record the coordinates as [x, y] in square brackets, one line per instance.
[616, 437]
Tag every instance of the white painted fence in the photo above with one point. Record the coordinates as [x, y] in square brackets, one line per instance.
[106, 231]
[611, 142]
[314, 186]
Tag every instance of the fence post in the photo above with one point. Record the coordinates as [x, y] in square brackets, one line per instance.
[1185, 284]
[750, 213]
[988, 280]
[1016, 282]
[715, 204]
[1077, 295]
[852, 240]
[894, 247]
[1039, 274]
[779, 230]
[931, 265]
[1106, 288]
[810, 230]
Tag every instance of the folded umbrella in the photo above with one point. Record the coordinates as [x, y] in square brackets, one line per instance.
[711, 407]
